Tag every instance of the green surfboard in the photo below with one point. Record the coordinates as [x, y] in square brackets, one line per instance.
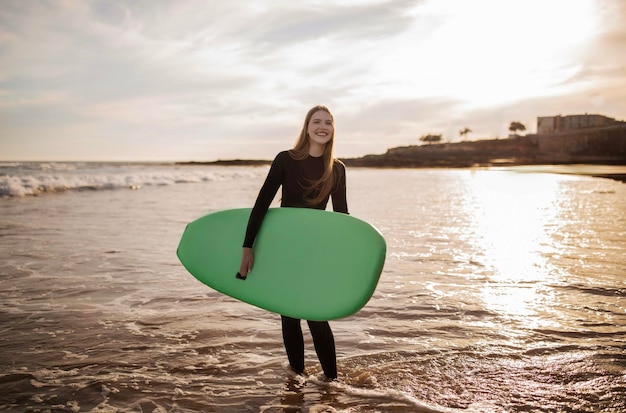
[308, 264]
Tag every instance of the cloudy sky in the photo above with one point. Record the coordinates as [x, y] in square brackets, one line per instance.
[204, 80]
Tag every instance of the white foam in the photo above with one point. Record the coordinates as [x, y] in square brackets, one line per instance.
[19, 180]
[390, 394]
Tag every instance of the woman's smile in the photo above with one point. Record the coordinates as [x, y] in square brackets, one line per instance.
[320, 128]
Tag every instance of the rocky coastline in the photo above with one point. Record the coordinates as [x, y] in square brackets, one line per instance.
[601, 146]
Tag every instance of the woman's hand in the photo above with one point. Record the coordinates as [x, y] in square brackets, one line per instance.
[247, 260]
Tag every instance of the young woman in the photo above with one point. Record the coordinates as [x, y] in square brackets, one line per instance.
[309, 175]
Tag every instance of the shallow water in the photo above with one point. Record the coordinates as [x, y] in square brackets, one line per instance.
[502, 291]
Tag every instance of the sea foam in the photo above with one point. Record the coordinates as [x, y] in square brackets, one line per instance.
[24, 179]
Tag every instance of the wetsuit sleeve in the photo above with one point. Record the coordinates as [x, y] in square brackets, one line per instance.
[267, 193]
[340, 203]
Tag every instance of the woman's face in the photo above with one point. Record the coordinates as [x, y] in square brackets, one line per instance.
[320, 128]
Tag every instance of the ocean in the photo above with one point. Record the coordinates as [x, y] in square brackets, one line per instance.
[503, 291]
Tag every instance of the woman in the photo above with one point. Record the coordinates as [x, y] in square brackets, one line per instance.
[309, 175]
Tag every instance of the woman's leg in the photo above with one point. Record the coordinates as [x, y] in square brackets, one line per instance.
[294, 343]
[324, 347]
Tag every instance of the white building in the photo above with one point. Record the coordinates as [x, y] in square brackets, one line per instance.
[553, 124]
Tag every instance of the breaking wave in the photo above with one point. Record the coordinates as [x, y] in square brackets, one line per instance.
[34, 178]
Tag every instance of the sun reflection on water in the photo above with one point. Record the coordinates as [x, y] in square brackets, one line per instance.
[513, 216]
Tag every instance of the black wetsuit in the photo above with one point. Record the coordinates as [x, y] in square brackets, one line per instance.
[294, 177]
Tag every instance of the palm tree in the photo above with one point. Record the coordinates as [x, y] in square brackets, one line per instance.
[463, 132]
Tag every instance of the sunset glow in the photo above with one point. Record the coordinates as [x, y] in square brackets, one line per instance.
[79, 80]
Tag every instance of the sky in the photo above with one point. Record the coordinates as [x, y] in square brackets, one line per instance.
[155, 80]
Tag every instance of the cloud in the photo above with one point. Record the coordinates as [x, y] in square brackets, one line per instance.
[337, 21]
[215, 78]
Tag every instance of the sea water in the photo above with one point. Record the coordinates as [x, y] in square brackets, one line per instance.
[503, 291]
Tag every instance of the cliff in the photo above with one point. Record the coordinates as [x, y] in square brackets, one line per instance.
[601, 146]
[606, 146]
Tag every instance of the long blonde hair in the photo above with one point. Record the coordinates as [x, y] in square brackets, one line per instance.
[323, 186]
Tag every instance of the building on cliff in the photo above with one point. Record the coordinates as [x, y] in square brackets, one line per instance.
[570, 123]
[580, 139]
[574, 139]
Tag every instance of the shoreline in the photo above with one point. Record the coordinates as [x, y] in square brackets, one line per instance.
[615, 177]
[602, 151]
[615, 172]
